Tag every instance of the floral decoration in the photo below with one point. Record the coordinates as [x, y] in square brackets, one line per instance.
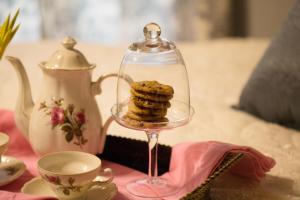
[65, 189]
[10, 171]
[68, 119]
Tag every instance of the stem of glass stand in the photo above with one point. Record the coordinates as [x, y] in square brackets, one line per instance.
[152, 145]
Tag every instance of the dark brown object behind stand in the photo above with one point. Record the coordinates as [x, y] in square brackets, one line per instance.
[134, 154]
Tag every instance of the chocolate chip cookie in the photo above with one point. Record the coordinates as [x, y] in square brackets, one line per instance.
[150, 96]
[144, 124]
[146, 118]
[152, 87]
[146, 111]
[144, 103]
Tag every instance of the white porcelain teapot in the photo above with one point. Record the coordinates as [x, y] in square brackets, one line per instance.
[66, 116]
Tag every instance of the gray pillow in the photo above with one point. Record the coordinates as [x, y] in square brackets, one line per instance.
[273, 90]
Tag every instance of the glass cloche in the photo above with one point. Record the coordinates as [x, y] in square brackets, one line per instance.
[153, 94]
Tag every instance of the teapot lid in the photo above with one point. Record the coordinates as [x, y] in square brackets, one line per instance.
[67, 58]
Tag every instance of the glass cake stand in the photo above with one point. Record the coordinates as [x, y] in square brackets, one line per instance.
[153, 59]
[156, 186]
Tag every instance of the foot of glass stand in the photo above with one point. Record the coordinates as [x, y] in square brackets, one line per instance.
[151, 186]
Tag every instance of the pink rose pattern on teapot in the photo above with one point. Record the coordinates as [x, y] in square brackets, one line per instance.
[67, 119]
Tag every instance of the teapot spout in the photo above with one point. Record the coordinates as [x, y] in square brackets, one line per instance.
[24, 103]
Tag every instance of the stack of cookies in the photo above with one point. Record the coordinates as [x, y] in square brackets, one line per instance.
[149, 101]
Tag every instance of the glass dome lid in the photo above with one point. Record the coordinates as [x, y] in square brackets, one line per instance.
[146, 68]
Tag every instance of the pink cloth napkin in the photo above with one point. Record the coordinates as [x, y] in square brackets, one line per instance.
[191, 164]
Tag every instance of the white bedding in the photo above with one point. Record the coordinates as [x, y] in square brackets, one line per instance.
[218, 71]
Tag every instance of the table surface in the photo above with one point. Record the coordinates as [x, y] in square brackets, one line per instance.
[217, 70]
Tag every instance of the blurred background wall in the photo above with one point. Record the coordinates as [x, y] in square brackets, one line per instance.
[120, 21]
[264, 17]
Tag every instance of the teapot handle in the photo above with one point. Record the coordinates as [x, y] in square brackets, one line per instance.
[96, 89]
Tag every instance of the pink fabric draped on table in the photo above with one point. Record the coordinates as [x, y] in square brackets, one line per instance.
[191, 163]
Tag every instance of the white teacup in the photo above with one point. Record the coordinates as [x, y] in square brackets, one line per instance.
[4, 139]
[71, 173]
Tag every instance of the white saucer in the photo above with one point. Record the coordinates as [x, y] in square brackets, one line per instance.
[37, 186]
[10, 169]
